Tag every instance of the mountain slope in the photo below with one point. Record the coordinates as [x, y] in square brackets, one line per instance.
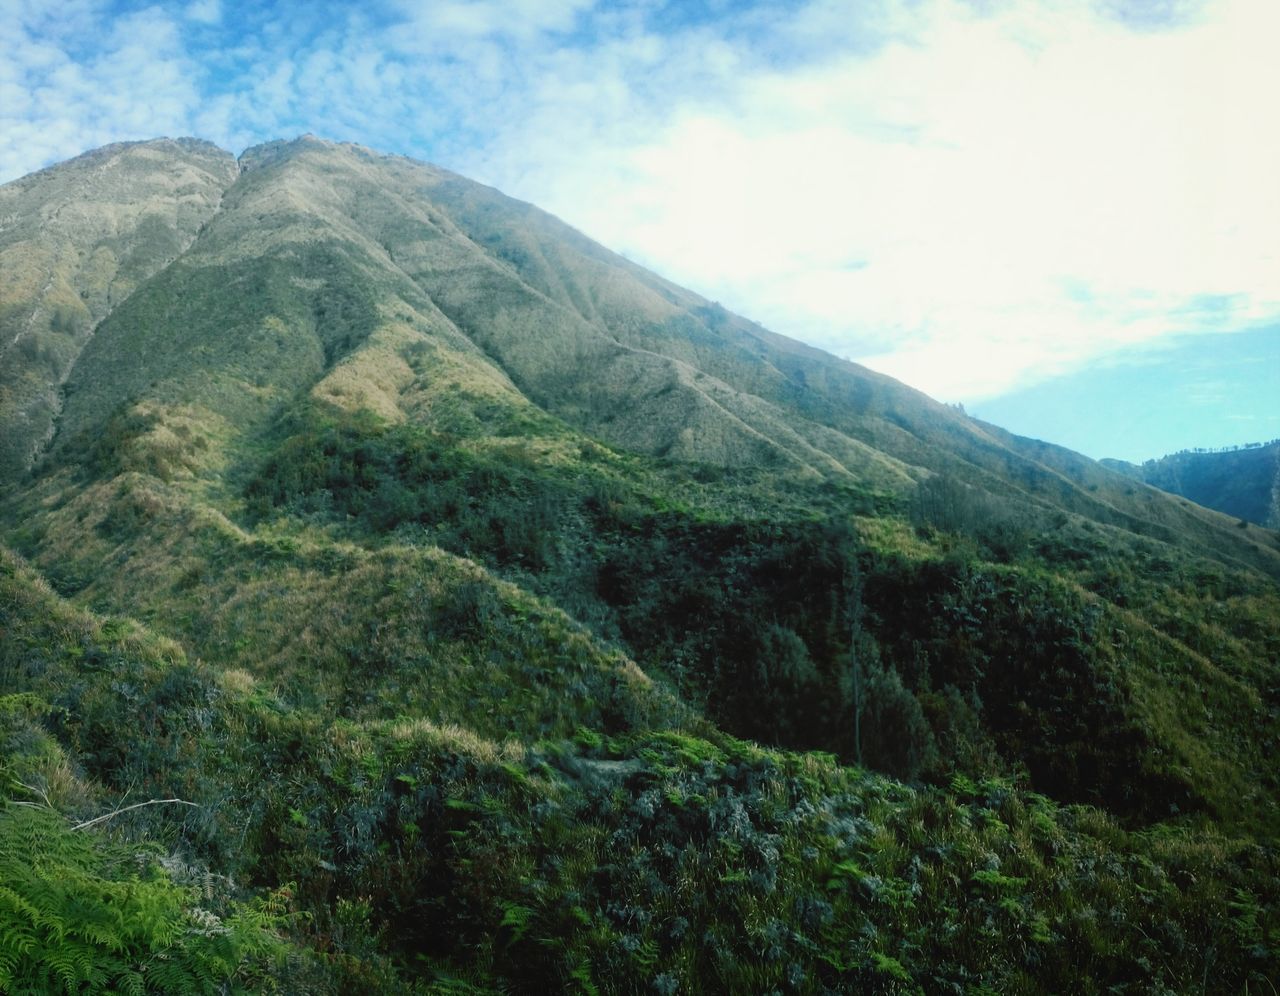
[378, 346]
[427, 858]
[75, 241]
[326, 245]
[1243, 482]
[406, 470]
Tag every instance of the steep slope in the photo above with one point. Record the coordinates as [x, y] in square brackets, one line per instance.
[310, 220]
[476, 536]
[339, 254]
[425, 858]
[1242, 482]
[379, 347]
[828, 401]
[75, 241]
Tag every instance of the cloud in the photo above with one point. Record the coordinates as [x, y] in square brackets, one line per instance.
[205, 11]
[968, 195]
[447, 22]
[70, 84]
[1021, 191]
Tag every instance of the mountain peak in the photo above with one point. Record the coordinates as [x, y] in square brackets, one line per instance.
[77, 239]
[265, 153]
[442, 556]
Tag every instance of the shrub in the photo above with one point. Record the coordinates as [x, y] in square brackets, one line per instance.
[78, 914]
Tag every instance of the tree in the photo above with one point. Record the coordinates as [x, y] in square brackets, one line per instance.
[853, 598]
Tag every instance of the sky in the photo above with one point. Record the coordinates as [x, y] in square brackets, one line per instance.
[1063, 214]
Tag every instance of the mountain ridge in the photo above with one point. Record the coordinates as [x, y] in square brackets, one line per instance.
[728, 413]
[107, 247]
[430, 537]
[1242, 481]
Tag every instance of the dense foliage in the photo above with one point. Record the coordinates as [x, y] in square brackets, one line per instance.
[83, 912]
[423, 856]
[428, 858]
[981, 658]
[400, 593]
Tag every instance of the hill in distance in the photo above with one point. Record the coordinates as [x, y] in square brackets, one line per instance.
[508, 618]
[1242, 481]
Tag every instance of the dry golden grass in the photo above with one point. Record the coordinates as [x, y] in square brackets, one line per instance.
[461, 740]
[372, 378]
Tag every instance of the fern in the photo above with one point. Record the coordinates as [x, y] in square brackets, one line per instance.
[518, 918]
[131, 983]
[78, 917]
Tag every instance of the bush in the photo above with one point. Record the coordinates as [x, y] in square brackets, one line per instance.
[81, 915]
[896, 738]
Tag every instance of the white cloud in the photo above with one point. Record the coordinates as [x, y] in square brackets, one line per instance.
[454, 25]
[88, 79]
[967, 195]
[984, 200]
[205, 11]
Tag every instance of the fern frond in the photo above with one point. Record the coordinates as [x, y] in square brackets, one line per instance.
[76, 916]
[131, 983]
[170, 977]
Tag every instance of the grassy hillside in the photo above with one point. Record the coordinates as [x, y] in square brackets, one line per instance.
[76, 240]
[1242, 482]
[420, 856]
[506, 618]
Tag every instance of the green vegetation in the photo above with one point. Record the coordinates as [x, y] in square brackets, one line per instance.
[81, 910]
[417, 598]
[1238, 481]
[76, 915]
[422, 854]
[752, 617]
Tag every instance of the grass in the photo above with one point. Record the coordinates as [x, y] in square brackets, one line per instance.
[510, 610]
[657, 859]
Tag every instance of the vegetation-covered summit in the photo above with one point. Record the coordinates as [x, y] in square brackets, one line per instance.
[507, 618]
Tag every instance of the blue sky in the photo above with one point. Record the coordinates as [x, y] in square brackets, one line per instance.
[1184, 392]
[1049, 211]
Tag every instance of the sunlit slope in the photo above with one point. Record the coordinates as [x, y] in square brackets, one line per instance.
[639, 363]
[417, 294]
[281, 289]
[441, 557]
[75, 241]
[319, 246]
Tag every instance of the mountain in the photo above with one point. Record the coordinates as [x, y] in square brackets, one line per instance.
[77, 241]
[1243, 482]
[504, 617]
